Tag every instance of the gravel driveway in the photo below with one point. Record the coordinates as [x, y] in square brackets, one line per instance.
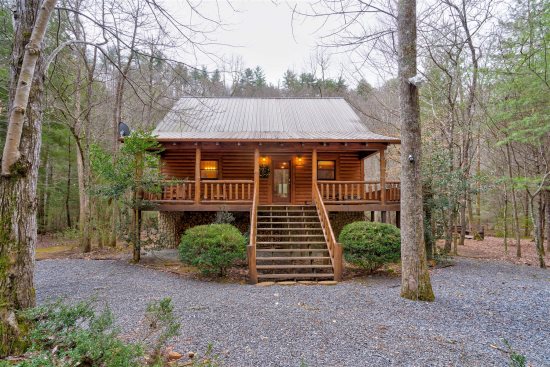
[478, 304]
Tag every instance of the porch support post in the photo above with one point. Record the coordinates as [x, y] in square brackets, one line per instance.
[313, 169]
[251, 248]
[383, 176]
[257, 170]
[197, 175]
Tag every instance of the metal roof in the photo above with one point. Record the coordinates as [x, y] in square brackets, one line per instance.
[265, 119]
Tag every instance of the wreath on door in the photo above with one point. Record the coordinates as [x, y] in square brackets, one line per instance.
[265, 171]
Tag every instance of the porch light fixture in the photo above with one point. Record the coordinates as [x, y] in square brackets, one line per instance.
[299, 160]
[263, 160]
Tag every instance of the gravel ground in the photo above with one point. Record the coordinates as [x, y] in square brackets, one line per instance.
[356, 323]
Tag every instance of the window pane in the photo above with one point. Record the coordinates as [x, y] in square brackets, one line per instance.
[326, 164]
[326, 170]
[209, 169]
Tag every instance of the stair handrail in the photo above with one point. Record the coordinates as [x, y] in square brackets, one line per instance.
[334, 248]
[251, 248]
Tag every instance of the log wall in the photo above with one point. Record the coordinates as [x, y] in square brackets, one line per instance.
[233, 165]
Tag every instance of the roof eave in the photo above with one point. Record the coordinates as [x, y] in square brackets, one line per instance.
[232, 140]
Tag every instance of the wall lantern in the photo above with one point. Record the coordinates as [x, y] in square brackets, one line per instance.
[265, 170]
[299, 160]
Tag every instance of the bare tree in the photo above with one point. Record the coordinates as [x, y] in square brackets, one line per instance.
[21, 155]
[20, 168]
[415, 279]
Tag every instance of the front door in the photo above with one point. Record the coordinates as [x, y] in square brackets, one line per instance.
[281, 181]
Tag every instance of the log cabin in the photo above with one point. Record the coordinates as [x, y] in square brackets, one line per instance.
[290, 165]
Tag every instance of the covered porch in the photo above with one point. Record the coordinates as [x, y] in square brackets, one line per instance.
[225, 176]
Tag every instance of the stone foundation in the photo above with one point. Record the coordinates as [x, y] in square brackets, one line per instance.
[339, 219]
[169, 227]
[172, 225]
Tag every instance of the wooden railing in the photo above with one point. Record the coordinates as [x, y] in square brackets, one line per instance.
[356, 192]
[334, 248]
[393, 190]
[211, 191]
[173, 190]
[251, 248]
[227, 190]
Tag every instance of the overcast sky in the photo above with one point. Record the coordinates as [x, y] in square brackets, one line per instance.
[261, 32]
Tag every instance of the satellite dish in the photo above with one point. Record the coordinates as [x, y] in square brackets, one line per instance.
[123, 129]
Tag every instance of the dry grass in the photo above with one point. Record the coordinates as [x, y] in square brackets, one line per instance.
[51, 247]
[492, 248]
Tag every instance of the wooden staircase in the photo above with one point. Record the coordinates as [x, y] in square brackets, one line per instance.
[290, 244]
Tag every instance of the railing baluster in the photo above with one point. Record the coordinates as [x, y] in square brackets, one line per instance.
[345, 191]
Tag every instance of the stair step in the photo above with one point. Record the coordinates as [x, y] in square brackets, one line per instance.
[310, 211]
[292, 276]
[291, 235]
[280, 206]
[292, 258]
[273, 267]
[261, 250]
[287, 216]
[290, 243]
[318, 223]
[288, 229]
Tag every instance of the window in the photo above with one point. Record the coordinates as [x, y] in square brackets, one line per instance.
[209, 170]
[326, 170]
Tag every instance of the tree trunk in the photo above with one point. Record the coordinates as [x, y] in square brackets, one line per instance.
[526, 231]
[43, 199]
[535, 211]
[505, 221]
[415, 279]
[450, 219]
[462, 225]
[18, 189]
[429, 239]
[48, 180]
[547, 215]
[138, 196]
[514, 203]
[68, 196]
[32, 56]
[478, 184]
[84, 199]
[541, 219]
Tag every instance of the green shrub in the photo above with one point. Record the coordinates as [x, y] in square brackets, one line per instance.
[213, 248]
[370, 244]
[75, 335]
[62, 335]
